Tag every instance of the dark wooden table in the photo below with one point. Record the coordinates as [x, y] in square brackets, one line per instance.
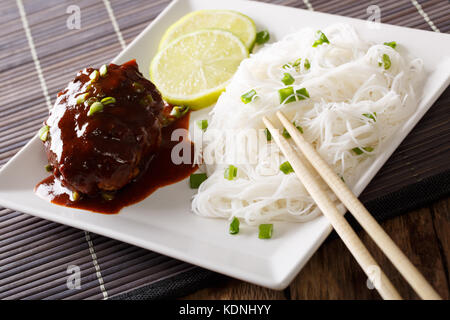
[332, 273]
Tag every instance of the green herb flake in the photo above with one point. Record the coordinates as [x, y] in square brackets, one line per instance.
[302, 94]
[230, 172]
[386, 62]
[202, 124]
[108, 100]
[234, 226]
[262, 37]
[286, 168]
[44, 132]
[391, 44]
[286, 95]
[359, 152]
[95, 107]
[103, 70]
[268, 134]
[322, 38]
[307, 65]
[265, 231]
[370, 116]
[248, 96]
[287, 79]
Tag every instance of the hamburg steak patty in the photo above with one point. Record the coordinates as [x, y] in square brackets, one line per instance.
[104, 128]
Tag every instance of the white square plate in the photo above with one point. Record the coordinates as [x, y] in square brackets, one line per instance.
[166, 226]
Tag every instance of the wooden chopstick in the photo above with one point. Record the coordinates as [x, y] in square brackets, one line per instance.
[337, 220]
[365, 219]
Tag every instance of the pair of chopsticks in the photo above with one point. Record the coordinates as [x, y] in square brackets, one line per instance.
[340, 224]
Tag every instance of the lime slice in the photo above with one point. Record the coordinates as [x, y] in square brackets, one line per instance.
[232, 21]
[194, 69]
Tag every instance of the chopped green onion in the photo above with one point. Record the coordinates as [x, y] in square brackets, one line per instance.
[265, 231]
[248, 96]
[287, 79]
[268, 134]
[262, 37]
[43, 133]
[75, 196]
[297, 62]
[370, 116]
[179, 111]
[386, 62]
[307, 65]
[302, 94]
[202, 124]
[234, 226]
[286, 95]
[103, 70]
[48, 168]
[82, 97]
[108, 196]
[148, 99]
[138, 87]
[299, 128]
[391, 44]
[94, 76]
[342, 178]
[108, 100]
[286, 167]
[95, 107]
[196, 179]
[322, 39]
[90, 101]
[286, 66]
[358, 151]
[230, 172]
[286, 134]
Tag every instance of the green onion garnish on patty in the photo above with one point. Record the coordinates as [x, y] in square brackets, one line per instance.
[196, 179]
[82, 97]
[262, 37]
[94, 75]
[248, 96]
[234, 226]
[230, 172]
[103, 70]
[265, 231]
[95, 107]
[108, 100]
[286, 168]
[43, 133]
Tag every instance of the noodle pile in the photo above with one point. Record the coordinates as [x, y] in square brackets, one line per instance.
[355, 101]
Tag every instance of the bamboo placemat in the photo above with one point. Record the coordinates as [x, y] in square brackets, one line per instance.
[39, 55]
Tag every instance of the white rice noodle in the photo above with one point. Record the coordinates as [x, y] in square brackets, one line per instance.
[344, 81]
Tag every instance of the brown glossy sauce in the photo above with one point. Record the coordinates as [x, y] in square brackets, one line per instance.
[161, 171]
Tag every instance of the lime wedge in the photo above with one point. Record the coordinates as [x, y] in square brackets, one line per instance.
[232, 21]
[194, 69]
